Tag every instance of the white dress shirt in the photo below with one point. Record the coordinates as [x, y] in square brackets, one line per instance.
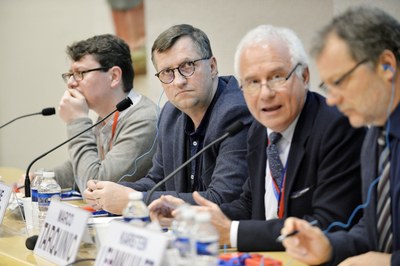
[270, 201]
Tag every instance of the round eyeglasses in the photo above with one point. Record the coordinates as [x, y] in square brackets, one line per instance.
[186, 69]
[253, 87]
[78, 75]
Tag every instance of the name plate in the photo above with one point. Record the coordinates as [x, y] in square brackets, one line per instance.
[131, 245]
[5, 194]
[61, 233]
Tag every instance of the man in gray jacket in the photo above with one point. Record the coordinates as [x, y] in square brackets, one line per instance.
[100, 76]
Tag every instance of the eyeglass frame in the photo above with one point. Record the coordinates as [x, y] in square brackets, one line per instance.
[277, 82]
[66, 76]
[325, 88]
[178, 68]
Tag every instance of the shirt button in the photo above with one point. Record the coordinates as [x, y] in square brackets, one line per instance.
[192, 177]
[194, 143]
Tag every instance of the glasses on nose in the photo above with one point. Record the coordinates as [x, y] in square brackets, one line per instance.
[78, 75]
[336, 83]
[186, 69]
[253, 87]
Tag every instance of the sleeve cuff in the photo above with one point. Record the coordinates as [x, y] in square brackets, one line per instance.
[234, 233]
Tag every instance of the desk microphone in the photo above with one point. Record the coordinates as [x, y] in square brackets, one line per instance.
[230, 131]
[45, 112]
[121, 106]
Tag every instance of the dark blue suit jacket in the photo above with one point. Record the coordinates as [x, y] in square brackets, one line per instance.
[322, 179]
[223, 166]
[364, 236]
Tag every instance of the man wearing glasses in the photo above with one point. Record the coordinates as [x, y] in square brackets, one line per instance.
[358, 58]
[303, 156]
[100, 76]
[201, 107]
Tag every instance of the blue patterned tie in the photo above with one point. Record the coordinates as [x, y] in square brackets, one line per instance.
[383, 195]
[275, 164]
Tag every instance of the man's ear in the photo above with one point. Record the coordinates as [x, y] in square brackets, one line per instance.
[116, 75]
[214, 66]
[387, 65]
[306, 75]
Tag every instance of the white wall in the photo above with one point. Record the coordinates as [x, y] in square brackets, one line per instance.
[34, 35]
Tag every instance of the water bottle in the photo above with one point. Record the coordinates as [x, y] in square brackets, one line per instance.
[136, 212]
[182, 227]
[37, 178]
[48, 190]
[205, 240]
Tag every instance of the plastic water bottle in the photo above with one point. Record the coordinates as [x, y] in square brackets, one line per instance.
[48, 190]
[37, 179]
[136, 212]
[182, 228]
[205, 240]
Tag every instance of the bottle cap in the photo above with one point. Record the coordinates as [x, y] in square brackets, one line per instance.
[203, 216]
[135, 195]
[48, 174]
[188, 213]
[39, 171]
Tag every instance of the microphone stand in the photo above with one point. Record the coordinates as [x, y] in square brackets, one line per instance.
[232, 130]
[45, 112]
[125, 103]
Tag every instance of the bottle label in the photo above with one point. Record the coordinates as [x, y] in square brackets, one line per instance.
[34, 194]
[45, 198]
[207, 248]
[145, 219]
[182, 244]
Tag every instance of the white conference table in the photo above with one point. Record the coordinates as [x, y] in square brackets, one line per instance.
[13, 236]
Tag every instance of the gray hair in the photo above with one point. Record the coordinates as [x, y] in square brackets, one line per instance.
[266, 33]
[368, 31]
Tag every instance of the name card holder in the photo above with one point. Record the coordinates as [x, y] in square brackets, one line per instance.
[131, 245]
[5, 194]
[61, 233]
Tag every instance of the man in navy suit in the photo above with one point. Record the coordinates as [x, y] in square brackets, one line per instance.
[358, 58]
[319, 177]
[201, 106]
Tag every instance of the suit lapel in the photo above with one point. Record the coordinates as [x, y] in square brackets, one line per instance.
[301, 135]
[369, 174]
[179, 152]
[257, 163]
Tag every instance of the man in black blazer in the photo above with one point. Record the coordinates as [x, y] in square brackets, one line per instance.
[319, 151]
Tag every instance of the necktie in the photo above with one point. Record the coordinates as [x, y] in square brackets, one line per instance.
[275, 164]
[383, 195]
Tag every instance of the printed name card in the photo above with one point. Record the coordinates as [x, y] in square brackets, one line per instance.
[127, 244]
[61, 234]
[5, 194]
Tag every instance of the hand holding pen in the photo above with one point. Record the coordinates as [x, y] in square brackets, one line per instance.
[293, 232]
[305, 242]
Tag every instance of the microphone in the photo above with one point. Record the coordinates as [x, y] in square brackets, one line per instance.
[230, 131]
[30, 242]
[121, 106]
[45, 112]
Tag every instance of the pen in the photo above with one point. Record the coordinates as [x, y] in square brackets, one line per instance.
[295, 232]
